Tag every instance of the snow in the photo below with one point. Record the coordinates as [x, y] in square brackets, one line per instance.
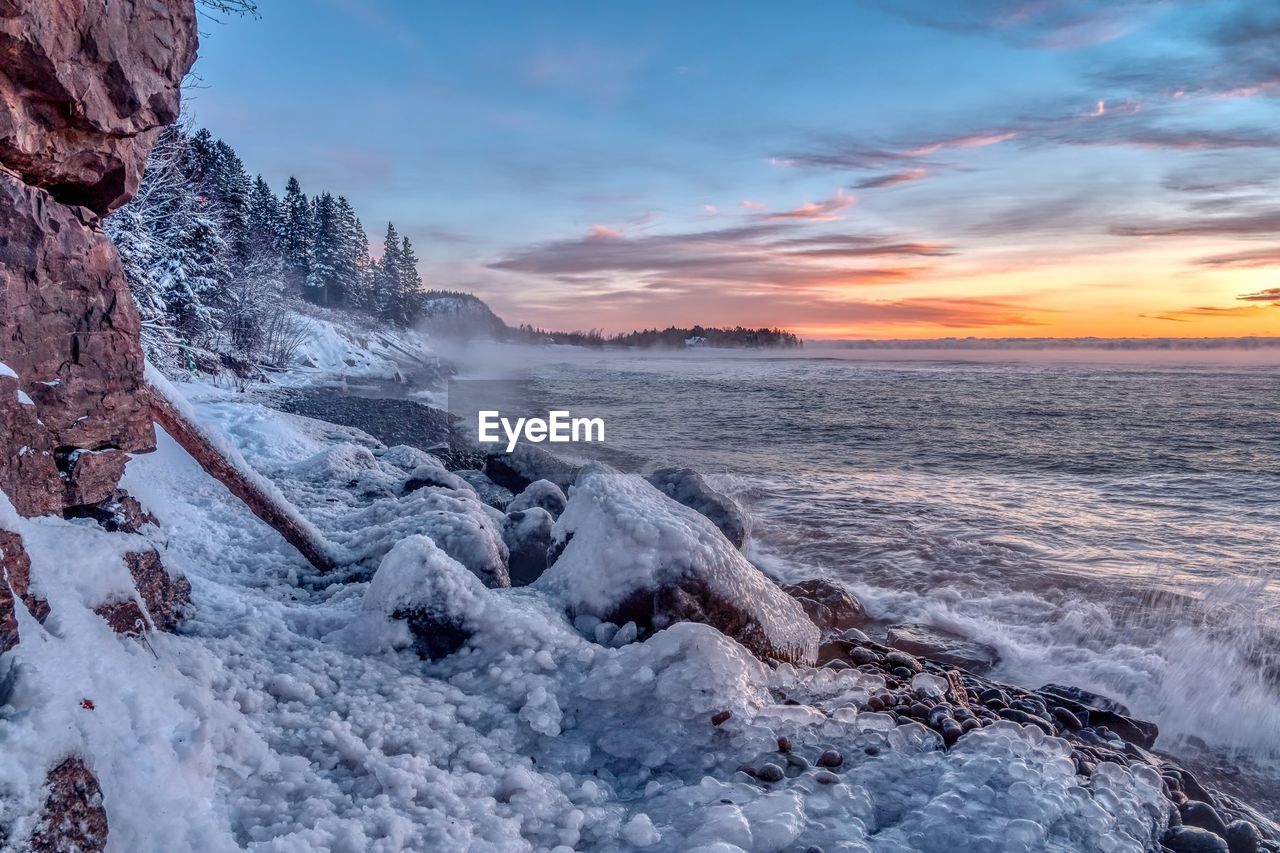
[24, 399]
[540, 493]
[6, 370]
[292, 715]
[620, 536]
[335, 350]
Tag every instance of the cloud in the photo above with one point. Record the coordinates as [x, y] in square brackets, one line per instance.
[1253, 224]
[1266, 257]
[892, 179]
[1271, 294]
[1241, 312]
[751, 204]
[765, 255]
[820, 211]
[603, 232]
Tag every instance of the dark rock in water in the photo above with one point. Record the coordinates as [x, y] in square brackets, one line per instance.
[1242, 837]
[1084, 697]
[527, 534]
[540, 493]
[73, 817]
[687, 486]
[942, 646]
[829, 605]
[527, 463]
[1204, 816]
[720, 717]
[770, 773]
[830, 758]
[902, 660]
[1189, 839]
[488, 491]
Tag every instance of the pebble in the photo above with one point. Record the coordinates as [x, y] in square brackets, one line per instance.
[784, 744]
[825, 777]
[1190, 839]
[1203, 816]
[770, 773]
[830, 758]
[904, 661]
[1242, 837]
[721, 718]
[798, 761]
[1068, 719]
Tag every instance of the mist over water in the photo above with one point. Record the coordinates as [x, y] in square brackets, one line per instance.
[1105, 522]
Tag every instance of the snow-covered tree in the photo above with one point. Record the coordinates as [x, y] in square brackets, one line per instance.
[298, 228]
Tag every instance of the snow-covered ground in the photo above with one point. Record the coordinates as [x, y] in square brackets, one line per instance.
[291, 714]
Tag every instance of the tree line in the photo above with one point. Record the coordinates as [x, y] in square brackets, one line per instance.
[214, 257]
[672, 336]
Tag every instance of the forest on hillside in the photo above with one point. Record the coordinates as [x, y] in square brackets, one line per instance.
[215, 258]
[670, 337]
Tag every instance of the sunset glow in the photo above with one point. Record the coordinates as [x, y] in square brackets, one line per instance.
[858, 170]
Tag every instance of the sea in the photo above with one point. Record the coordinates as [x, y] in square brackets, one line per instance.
[1104, 519]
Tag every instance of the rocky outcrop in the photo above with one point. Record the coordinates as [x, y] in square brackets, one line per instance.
[940, 645]
[85, 87]
[527, 533]
[540, 493]
[527, 463]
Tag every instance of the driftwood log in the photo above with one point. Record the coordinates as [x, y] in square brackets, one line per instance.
[265, 506]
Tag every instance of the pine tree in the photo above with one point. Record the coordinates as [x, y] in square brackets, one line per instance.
[332, 267]
[386, 278]
[266, 222]
[298, 227]
[231, 185]
[356, 252]
[409, 294]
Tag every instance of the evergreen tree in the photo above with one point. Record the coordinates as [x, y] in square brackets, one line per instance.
[356, 251]
[409, 294]
[231, 185]
[332, 266]
[266, 222]
[386, 277]
[298, 228]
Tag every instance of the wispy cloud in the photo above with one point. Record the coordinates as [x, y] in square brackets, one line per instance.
[892, 179]
[1265, 257]
[1252, 224]
[1271, 294]
[820, 211]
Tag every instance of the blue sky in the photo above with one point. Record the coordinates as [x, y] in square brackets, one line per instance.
[876, 168]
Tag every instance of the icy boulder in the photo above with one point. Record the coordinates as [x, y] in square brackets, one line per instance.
[540, 493]
[527, 533]
[490, 492]
[433, 597]
[624, 552]
[348, 468]
[466, 529]
[436, 476]
[686, 486]
[407, 458]
[517, 469]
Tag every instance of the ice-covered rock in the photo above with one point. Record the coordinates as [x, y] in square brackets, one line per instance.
[407, 458]
[498, 497]
[434, 597]
[627, 553]
[540, 493]
[350, 468]
[466, 529]
[527, 463]
[436, 476]
[527, 533]
[688, 487]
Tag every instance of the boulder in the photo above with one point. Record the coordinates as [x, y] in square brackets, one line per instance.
[831, 607]
[527, 533]
[73, 817]
[1189, 839]
[625, 552]
[15, 580]
[119, 513]
[687, 486]
[435, 476]
[489, 492]
[165, 597]
[943, 646]
[1085, 697]
[435, 596]
[517, 469]
[85, 88]
[540, 493]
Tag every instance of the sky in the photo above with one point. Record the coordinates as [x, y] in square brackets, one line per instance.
[854, 169]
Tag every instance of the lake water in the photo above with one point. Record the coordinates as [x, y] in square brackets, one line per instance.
[1106, 520]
